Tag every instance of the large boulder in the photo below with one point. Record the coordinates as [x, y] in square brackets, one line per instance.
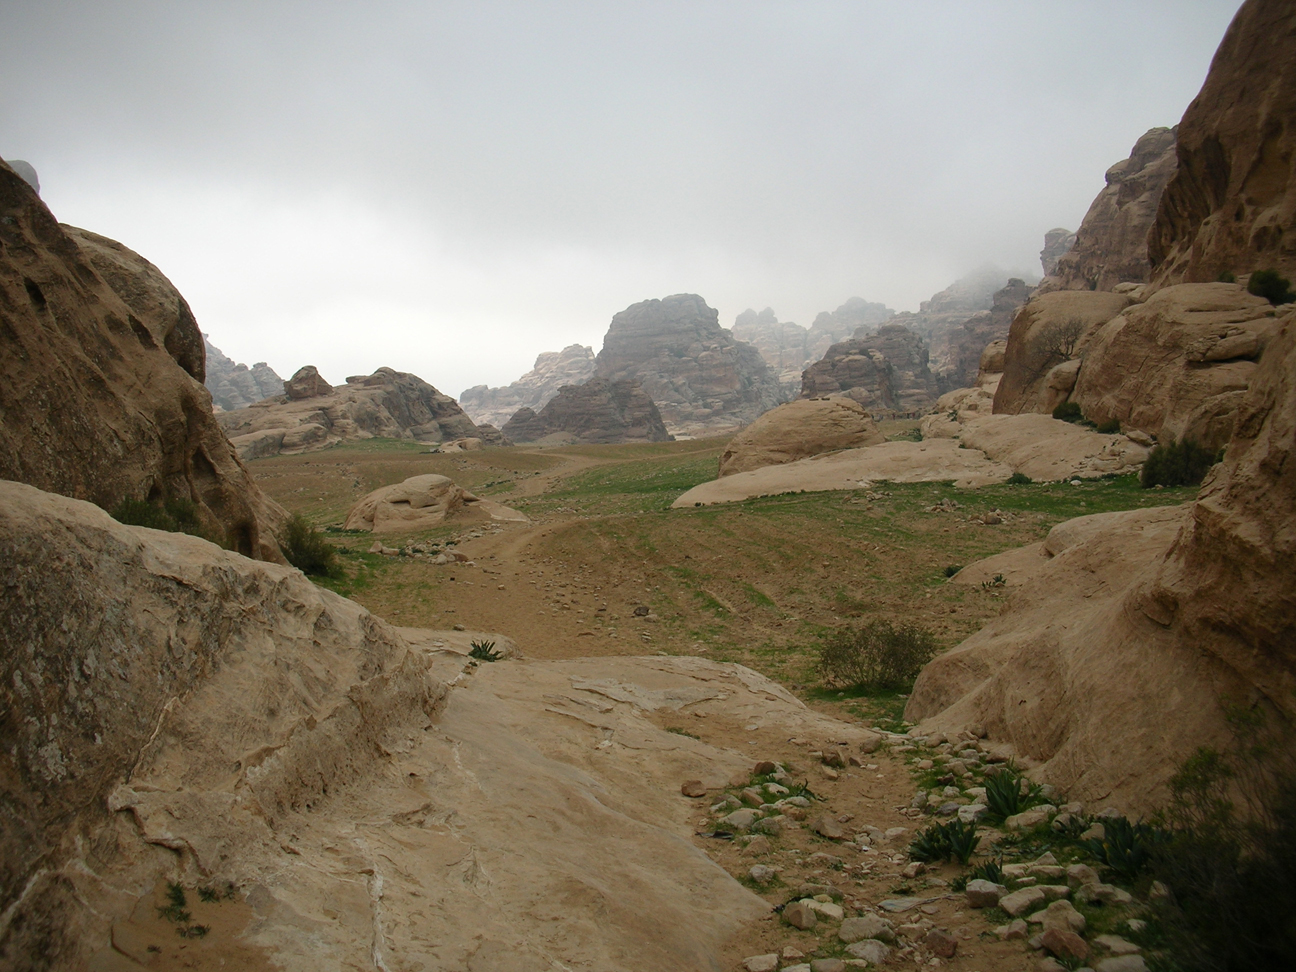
[1231, 206]
[1111, 246]
[418, 503]
[102, 369]
[1178, 365]
[1197, 602]
[573, 365]
[599, 411]
[699, 376]
[314, 414]
[806, 427]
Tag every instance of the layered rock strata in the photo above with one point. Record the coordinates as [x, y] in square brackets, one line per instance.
[830, 327]
[235, 385]
[966, 342]
[1111, 246]
[797, 430]
[699, 376]
[102, 392]
[599, 411]
[783, 344]
[312, 414]
[573, 365]
[1231, 205]
[885, 372]
[1056, 243]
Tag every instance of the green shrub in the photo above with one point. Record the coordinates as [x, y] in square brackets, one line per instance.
[1068, 412]
[1126, 848]
[1019, 479]
[484, 651]
[307, 550]
[1226, 276]
[952, 569]
[1176, 464]
[1009, 793]
[1272, 286]
[876, 655]
[1110, 427]
[177, 515]
[943, 842]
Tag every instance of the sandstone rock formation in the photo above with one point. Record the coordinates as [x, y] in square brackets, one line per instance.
[1111, 246]
[1056, 243]
[236, 385]
[1231, 206]
[102, 370]
[830, 327]
[966, 343]
[599, 411]
[1196, 601]
[313, 414]
[27, 172]
[700, 377]
[573, 365]
[418, 503]
[886, 371]
[1177, 365]
[797, 430]
[783, 344]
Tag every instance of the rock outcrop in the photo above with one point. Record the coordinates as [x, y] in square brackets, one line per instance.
[966, 343]
[885, 372]
[799, 429]
[599, 411]
[1231, 205]
[700, 377]
[102, 368]
[1177, 365]
[782, 344]
[1111, 246]
[1056, 243]
[313, 414]
[174, 712]
[573, 365]
[1197, 601]
[236, 385]
[831, 327]
[421, 502]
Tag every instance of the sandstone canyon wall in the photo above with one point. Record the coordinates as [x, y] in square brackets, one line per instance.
[573, 365]
[102, 392]
[885, 372]
[1231, 205]
[234, 385]
[700, 377]
[599, 411]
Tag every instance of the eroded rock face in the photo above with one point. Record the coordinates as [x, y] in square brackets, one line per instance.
[783, 344]
[1178, 365]
[885, 371]
[699, 376]
[799, 429]
[235, 385]
[1231, 206]
[421, 502]
[599, 411]
[831, 327]
[388, 403]
[1194, 600]
[101, 373]
[1056, 243]
[1111, 246]
[966, 343]
[573, 365]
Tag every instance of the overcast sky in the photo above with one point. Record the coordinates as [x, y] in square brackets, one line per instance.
[450, 188]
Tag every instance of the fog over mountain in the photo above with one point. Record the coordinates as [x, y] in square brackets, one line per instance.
[451, 188]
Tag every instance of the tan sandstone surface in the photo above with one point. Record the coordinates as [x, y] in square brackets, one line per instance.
[799, 429]
[101, 380]
[420, 502]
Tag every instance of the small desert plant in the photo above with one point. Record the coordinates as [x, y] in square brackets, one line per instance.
[1009, 793]
[952, 569]
[1019, 479]
[876, 655]
[176, 515]
[307, 550]
[1110, 427]
[1226, 276]
[943, 842]
[991, 871]
[1176, 464]
[1068, 412]
[484, 651]
[1126, 848]
[1272, 286]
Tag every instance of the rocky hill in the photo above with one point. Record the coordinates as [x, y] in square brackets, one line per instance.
[1229, 206]
[573, 365]
[599, 411]
[102, 394]
[1056, 244]
[782, 344]
[965, 343]
[236, 385]
[830, 327]
[1111, 246]
[885, 372]
[702, 379]
[312, 414]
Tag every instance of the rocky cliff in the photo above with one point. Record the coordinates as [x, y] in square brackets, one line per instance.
[1057, 242]
[1231, 205]
[235, 385]
[312, 414]
[885, 372]
[573, 365]
[101, 371]
[700, 377]
[599, 411]
[1111, 246]
[782, 344]
[940, 321]
[965, 343]
[830, 327]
